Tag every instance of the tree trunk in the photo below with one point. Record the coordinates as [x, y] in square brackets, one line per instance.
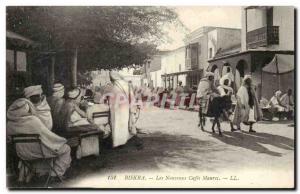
[74, 69]
[52, 72]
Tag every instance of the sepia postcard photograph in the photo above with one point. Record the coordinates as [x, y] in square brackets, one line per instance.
[150, 97]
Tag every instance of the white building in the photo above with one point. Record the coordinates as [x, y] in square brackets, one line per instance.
[173, 68]
[267, 50]
[203, 44]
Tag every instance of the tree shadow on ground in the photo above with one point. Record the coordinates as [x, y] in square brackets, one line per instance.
[159, 151]
[254, 141]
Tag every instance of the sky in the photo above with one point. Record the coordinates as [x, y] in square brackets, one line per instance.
[194, 17]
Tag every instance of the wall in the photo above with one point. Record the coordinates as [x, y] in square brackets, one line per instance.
[155, 63]
[171, 61]
[212, 43]
[257, 18]
[156, 78]
[227, 38]
[283, 16]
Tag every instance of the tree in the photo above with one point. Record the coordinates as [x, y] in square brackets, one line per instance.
[101, 37]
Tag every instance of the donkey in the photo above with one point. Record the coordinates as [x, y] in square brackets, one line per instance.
[216, 107]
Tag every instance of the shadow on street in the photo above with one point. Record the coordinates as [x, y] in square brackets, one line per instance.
[159, 151]
[254, 141]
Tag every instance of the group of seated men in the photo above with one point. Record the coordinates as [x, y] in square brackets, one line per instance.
[36, 114]
[281, 105]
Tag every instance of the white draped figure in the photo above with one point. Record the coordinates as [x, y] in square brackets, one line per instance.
[120, 95]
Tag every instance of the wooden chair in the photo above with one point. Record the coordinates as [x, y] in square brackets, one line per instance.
[103, 114]
[34, 139]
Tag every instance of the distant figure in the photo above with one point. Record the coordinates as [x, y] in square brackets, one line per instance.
[146, 93]
[287, 101]
[247, 109]
[179, 88]
[56, 102]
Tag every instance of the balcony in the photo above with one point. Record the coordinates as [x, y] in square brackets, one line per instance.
[262, 37]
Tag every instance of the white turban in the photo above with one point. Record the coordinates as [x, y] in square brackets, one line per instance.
[278, 93]
[33, 90]
[247, 77]
[58, 90]
[57, 87]
[74, 94]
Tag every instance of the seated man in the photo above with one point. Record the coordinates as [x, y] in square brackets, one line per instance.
[228, 76]
[275, 104]
[56, 102]
[287, 101]
[73, 117]
[36, 97]
[76, 120]
[24, 118]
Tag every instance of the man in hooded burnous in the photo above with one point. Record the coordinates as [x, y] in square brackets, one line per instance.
[31, 115]
[121, 98]
[247, 109]
[206, 90]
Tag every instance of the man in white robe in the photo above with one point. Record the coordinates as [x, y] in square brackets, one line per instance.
[24, 118]
[120, 107]
[35, 95]
[247, 109]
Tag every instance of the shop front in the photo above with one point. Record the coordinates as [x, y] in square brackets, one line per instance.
[248, 62]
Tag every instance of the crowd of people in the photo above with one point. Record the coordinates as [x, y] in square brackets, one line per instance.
[247, 109]
[280, 105]
[51, 117]
[66, 112]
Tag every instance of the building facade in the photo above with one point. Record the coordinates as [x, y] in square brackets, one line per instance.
[267, 37]
[202, 45]
[173, 68]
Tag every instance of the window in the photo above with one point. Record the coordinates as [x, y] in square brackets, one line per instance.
[21, 61]
[179, 67]
[194, 56]
[210, 52]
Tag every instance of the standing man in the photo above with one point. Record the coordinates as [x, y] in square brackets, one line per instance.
[120, 108]
[206, 90]
[247, 109]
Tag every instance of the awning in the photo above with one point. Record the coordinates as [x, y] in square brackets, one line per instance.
[18, 40]
[280, 64]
